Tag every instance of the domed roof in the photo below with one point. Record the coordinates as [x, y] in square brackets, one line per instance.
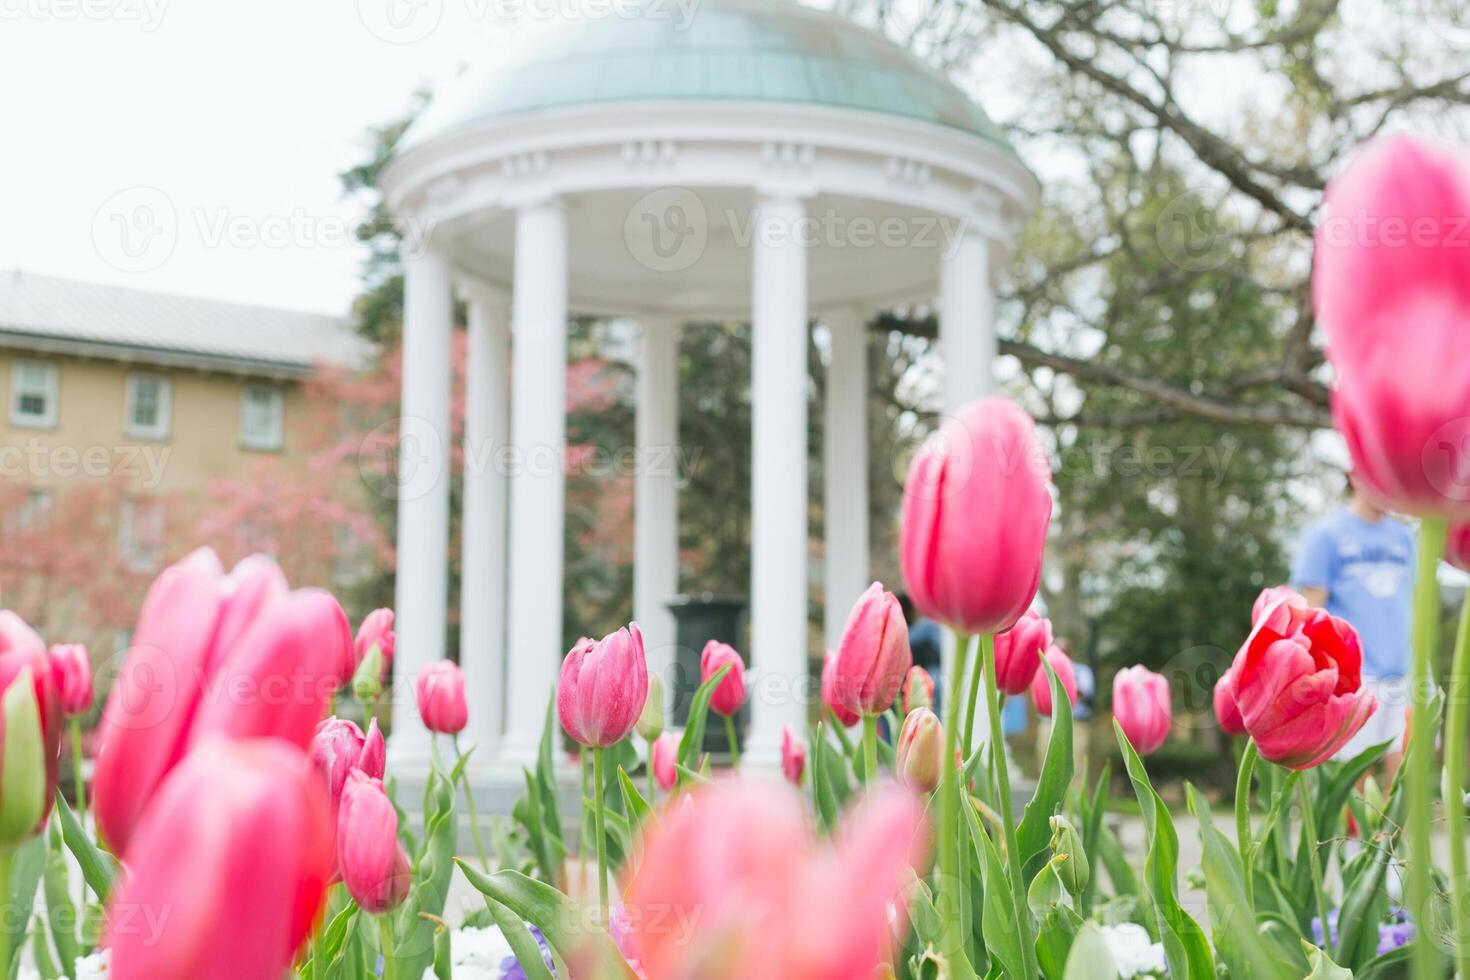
[706, 50]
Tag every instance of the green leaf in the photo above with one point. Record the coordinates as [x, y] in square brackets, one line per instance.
[61, 913]
[637, 807]
[1184, 942]
[692, 742]
[522, 943]
[565, 929]
[1051, 788]
[1363, 904]
[536, 836]
[1090, 959]
[999, 916]
[27, 861]
[823, 799]
[1059, 928]
[41, 952]
[1322, 966]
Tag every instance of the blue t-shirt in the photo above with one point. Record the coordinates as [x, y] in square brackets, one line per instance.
[1367, 568]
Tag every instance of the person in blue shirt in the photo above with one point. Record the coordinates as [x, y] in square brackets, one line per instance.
[1358, 563]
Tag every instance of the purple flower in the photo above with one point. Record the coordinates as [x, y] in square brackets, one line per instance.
[510, 967]
[1317, 928]
[1392, 935]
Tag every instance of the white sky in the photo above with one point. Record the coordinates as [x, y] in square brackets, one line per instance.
[228, 121]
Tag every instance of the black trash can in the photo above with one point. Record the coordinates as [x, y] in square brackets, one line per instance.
[702, 618]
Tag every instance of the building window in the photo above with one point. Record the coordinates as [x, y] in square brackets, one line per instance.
[148, 411]
[261, 417]
[140, 534]
[33, 394]
[35, 511]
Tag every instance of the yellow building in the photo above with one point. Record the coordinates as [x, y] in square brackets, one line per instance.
[150, 395]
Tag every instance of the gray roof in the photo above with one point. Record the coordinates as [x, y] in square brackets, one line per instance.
[44, 313]
[747, 50]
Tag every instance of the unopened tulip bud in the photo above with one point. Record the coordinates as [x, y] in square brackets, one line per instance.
[22, 762]
[373, 759]
[367, 680]
[920, 754]
[727, 698]
[373, 864]
[651, 722]
[665, 754]
[603, 687]
[874, 654]
[793, 756]
[440, 696]
[1074, 869]
[918, 690]
[71, 669]
[376, 631]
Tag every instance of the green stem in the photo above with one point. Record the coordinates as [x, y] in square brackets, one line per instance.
[469, 799]
[1314, 862]
[582, 831]
[652, 783]
[597, 780]
[385, 944]
[870, 748]
[1454, 767]
[734, 745]
[76, 770]
[948, 900]
[975, 681]
[7, 862]
[1243, 816]
[1432, 532]
[1007, 819]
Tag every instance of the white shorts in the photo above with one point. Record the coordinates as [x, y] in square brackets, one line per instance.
[1387, 722]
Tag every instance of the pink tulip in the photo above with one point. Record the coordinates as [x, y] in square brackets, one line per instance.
[227, 870]
[441, 702]
[762, 903]
[1143, 707]
[665, 755]
[830, 700]
[918, 690]
[874, 654]
[1272, 595]
[1391, 283]
[976, 508]
[237, 655]
[603, 688]
[1018, 652]
[728, 697]
[71, 668]
[793, 756]
[339, 747]
[920, 751]
[1298, 685]
[22, 650]
[376, 631]
[1061, 664]
[1457, 547]
[1226, 711]
[374, 865]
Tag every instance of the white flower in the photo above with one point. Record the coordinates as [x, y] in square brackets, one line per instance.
[1133, 954]
[476, 954]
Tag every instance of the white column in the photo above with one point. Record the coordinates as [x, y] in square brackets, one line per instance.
[422, 581]
[845, 465]
[655, 496]
[538, 480]
[966, 320]
[483, 531]
[778, 535]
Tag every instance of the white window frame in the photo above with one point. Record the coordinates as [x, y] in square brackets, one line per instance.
[274, 439]
[52, 382]
[164, 425]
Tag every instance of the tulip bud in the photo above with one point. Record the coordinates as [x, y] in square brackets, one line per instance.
[376, 631]
[920, 753]
[1073, 869]
[874, 653]
[367, 680]
[1142, 707]
[441, 703]
[373, 759]
[373, 864]
[918, 689]
[793, 756]
[1061, 665]
[1018, 652]
[665, 754]
[651, 722]
[603, 688]
[730, 695]
[22, 762]
[71, 668]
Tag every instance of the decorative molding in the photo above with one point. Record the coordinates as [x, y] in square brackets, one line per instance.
[649, 153]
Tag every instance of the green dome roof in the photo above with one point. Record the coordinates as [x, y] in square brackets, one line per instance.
[746, 50]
